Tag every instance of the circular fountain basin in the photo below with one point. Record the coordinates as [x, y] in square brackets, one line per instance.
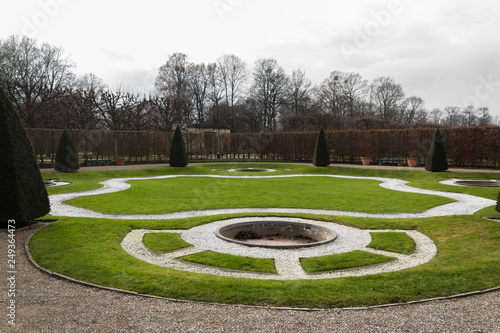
[276, 234]
[479, 183]
[251, 170]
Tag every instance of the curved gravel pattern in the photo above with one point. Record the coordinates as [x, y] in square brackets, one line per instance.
[464, 204]
[46, 304]
[287, 261]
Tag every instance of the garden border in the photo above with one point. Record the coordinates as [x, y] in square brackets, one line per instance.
[134, 293]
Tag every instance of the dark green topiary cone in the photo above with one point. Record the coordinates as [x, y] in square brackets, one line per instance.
[321, 155]
[66, 156]
[178, 154]
[436, 158]
[22, 192]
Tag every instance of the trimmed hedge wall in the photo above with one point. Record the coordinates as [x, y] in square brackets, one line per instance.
[465, 147]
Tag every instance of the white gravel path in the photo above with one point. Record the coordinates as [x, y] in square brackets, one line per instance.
[287, 261]
[464, 204]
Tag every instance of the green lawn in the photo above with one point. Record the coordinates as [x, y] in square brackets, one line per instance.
[163, 242]
[228, 261]
[339, 261]
[392, 241]
[185, 194]
[468, 255]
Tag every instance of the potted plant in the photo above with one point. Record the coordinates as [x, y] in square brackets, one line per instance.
[412, 161]
[120, 160]
[366, 160]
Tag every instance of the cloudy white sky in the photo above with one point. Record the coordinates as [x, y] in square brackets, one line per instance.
[447, 52]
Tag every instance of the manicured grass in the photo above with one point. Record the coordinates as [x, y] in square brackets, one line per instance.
[186, 194]
[398, 242]
[468, 256]
[228, 261]
[468, 259]
[163, 242]
[339, 261]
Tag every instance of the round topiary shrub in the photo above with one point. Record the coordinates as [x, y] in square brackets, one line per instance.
[178, 153]
[23, 196]
[66, 155]
[321, 156]
[436, 158]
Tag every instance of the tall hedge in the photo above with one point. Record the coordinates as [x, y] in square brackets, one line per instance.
[66, 155]
[436, 158]
[23, 196]
[178, 153]
[321, 156]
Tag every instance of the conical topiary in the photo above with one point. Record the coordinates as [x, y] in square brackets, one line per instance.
[66, 155]
[436, 158]
[321, 155]
[23, 196]
[178, 154]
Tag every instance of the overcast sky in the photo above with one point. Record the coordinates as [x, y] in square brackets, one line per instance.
[447, 52]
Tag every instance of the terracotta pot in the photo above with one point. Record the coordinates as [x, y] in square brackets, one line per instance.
[120, 161]
[412, 162]
[366, 160]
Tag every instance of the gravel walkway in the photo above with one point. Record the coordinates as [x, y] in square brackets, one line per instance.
[47, 304]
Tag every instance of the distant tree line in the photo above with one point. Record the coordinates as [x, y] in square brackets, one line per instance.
[40, 81]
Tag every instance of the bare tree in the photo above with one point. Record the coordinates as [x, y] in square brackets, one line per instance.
[344, 96]
[215, 90]
[173, 83]
[166, 114]
[138, 113]
[331, 99]
[435, 116]
[354, 90]
[173, 77]
[453, 116]
[421, 116]
[388, 97]
[114, 108]
[33, 76]
[199, 88]
[78, 107]
[469, 116]
[270, 84]
[299, 102]
[484, 117]
[233, 74]
[413, 106]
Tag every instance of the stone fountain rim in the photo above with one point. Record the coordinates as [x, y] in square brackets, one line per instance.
[287, 246]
